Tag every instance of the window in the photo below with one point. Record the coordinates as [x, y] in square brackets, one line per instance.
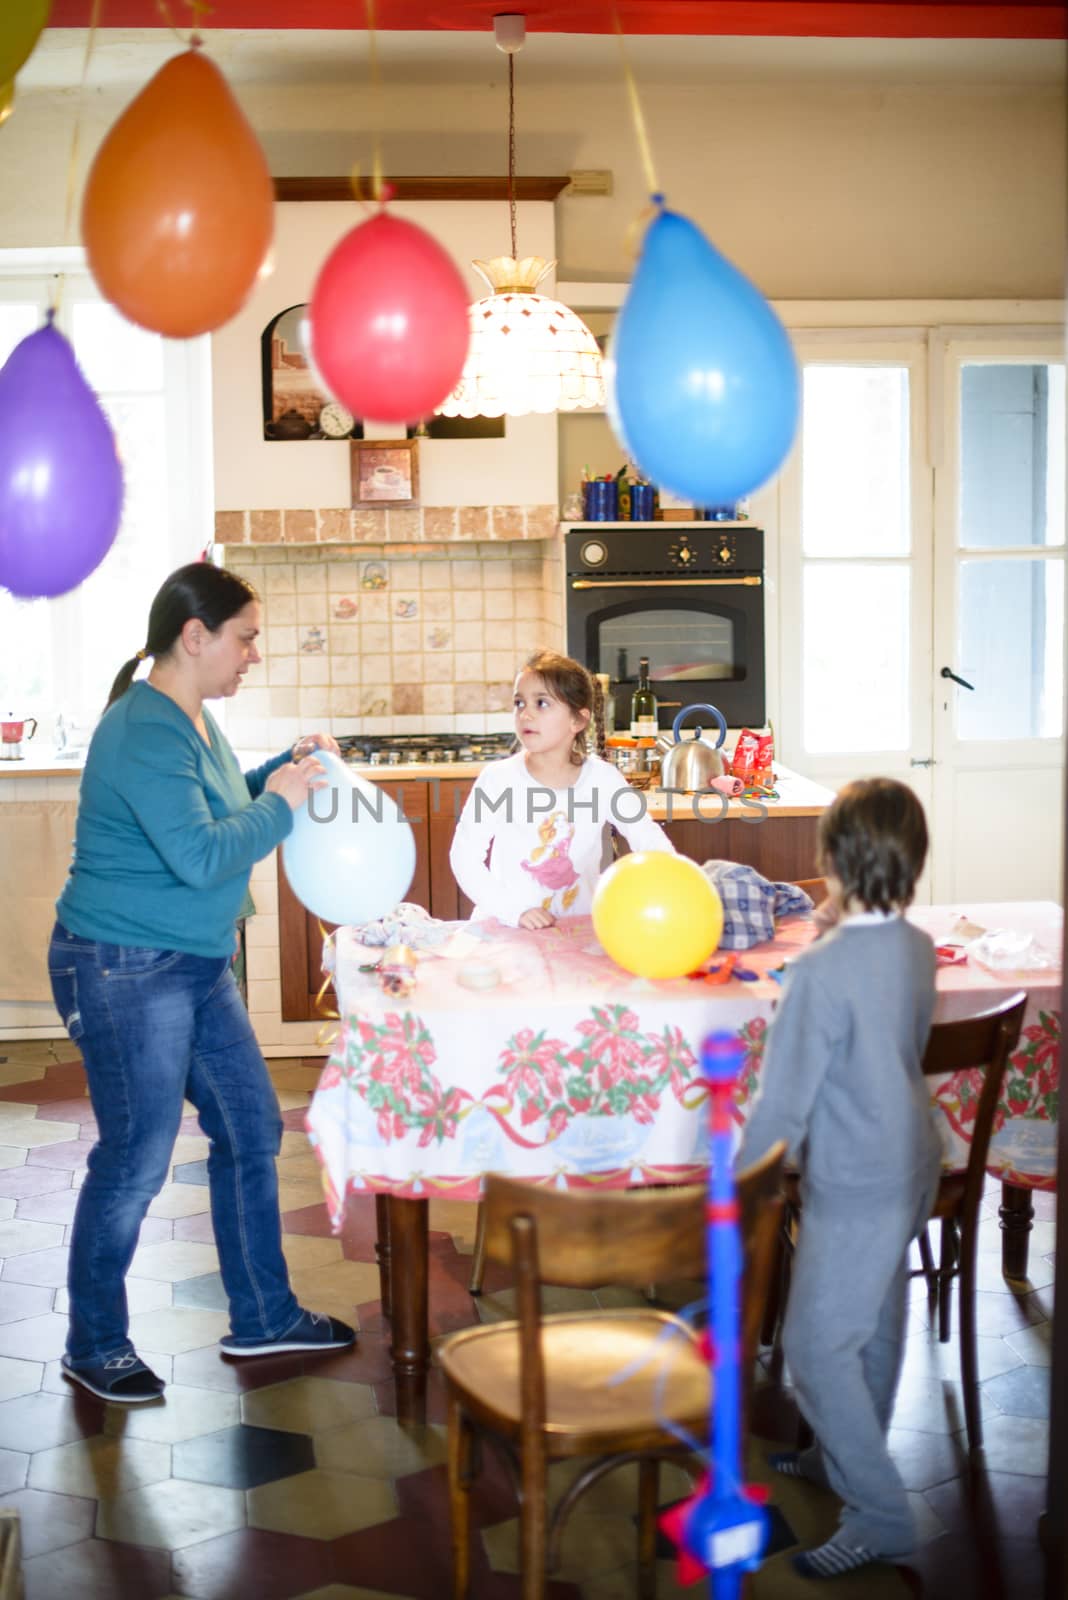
[59, 656]
[856, 544]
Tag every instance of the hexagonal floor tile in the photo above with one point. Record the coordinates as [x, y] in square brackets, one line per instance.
[100, 1468]
[338, 1288]
[12, 1156]
[14, 1470]
[176, 1259]
[306, 1251]
[19, 1300]
[169, 1515]
[251, 1562]
[45, 1267]
[203, 1294]
[40, 1338]
[48, 1521]
[99, 1570]
[35, 1132]
[244, 1456]
[380, 1447]
[195, 1172]
[19, 1377]
[19, 1238]
[39, 1421]
[321, 1505]
[142, 1294]
[184, 1414]
[177, 1329]
[1024, 1392]
[308, 1405]
[180, 1200]
[293, 1193]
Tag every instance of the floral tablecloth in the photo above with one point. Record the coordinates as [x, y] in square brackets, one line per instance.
[572, 1071]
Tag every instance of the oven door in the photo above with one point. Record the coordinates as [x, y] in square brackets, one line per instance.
[704, 639]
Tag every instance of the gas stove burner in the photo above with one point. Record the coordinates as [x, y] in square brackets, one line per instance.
[419, 749]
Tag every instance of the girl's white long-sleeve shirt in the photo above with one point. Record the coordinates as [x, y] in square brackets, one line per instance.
[547, 844]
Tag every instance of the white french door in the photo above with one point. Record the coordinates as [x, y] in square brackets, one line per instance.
[922, 534]
[999, 587]
[855, 565]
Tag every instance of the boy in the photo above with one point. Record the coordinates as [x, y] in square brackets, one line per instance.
[842, 1084]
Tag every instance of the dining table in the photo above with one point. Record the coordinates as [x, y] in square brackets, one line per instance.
[532, 1053]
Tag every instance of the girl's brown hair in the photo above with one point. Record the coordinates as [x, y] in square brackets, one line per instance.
[569, 682]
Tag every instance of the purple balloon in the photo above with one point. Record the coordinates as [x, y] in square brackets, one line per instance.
[60, 474]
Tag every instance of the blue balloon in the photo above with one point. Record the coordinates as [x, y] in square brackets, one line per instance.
[703, 388]
[60, 476]
[351, 855]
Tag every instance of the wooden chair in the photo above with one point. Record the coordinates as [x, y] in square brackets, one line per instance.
[543, 1386]
[982, 1044]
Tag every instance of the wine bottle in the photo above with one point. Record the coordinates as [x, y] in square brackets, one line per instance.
[643, 724]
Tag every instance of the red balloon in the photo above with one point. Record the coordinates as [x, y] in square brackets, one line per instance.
[179, 206]
[388, 321]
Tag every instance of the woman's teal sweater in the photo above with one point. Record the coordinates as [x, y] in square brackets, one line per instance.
[168, 831]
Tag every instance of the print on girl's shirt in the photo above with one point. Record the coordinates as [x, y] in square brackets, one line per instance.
[550, 862]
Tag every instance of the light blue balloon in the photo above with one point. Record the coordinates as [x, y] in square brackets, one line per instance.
[703, 384]
[351, 855]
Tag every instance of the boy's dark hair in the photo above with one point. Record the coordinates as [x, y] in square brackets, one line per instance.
[873, 839]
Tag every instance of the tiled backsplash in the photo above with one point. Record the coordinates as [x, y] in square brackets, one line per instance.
[380, 525]
[393, 638]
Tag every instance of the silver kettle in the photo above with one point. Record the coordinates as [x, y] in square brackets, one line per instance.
[691, 764]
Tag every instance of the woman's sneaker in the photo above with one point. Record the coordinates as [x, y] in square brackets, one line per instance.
[313, 1330]
[124, 1380]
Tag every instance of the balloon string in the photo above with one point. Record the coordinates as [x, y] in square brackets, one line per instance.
[199, 8]
[511, 152]
[644, 148]
[75, 142]
[376, 103]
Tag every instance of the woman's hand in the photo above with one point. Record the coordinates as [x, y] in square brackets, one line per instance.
[536, 917]
[293, 781]
[314, 741]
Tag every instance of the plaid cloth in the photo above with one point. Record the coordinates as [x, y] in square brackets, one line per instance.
[751, 903]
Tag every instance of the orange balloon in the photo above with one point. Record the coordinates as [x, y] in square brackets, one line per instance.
[178, 211]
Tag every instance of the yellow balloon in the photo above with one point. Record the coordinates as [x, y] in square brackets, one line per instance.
[21, 22]
[7, 101]
[657, 915]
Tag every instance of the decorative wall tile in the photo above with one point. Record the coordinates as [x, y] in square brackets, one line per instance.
[374, 636]
[438, 699]
[440, 522]
[230, 527]
[499, 663]
[314, 701]
[375, 669]
[436, 606]
[265, 527]
[437, 577]
[406, 607]
[314, 669]
[299, 527]
[281, 671]
[335, 526]
[344, 669]
[468, 635]
[499, 696]
[474, 522]
[498, 635]
[374, 575]
[311, 575]
[465, 574]
[374, 702]
[541, 522]
[508, 522]
[470, 697]
[374, 605]
[438, 667]
[468, 666]
[279, 580]
[344, 639]
[311, 608]
[313, 641]
[369, 526]
[527, 604]
[406, 523]
[499, 604]
[407, 667]
[437, 637]
[344, 608]
[407, 699]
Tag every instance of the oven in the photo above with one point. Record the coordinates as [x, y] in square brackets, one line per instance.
[690, 597]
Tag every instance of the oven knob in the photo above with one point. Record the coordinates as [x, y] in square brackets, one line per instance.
[724, 554]
[593, 553]
[682, 554]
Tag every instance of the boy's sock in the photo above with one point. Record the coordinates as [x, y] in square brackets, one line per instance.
[832, 1560]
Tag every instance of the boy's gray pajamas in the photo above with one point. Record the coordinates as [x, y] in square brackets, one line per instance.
[841, 1082]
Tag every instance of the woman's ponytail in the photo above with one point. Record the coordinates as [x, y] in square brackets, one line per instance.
[124, 677]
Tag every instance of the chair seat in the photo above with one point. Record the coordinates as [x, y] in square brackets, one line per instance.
[585, 1410]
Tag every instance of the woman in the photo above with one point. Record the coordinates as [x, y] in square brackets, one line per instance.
[168, 831]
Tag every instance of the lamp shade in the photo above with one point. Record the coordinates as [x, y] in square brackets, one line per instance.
[527, 352]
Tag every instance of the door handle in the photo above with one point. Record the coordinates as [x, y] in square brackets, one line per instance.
[947, 672]
[928, 763]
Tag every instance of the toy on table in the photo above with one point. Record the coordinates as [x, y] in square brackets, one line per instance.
[723, 970]
[723, 1528]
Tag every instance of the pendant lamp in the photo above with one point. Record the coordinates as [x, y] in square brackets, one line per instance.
[527, 353]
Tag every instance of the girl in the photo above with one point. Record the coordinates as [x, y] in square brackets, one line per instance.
[540, 816]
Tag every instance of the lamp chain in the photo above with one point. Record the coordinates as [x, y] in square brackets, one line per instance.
[511, 151]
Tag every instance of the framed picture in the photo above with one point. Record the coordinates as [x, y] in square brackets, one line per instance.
[385, 472]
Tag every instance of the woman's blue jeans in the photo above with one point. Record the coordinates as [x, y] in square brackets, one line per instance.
[156, 1027]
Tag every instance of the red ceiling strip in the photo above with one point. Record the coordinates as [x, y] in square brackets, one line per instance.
[871, 19]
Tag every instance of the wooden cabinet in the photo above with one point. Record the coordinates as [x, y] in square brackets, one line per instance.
[431, 808]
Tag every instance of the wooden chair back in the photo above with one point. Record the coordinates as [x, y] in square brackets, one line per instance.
[815, 888]
[627, 1237]
[984, 1042]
